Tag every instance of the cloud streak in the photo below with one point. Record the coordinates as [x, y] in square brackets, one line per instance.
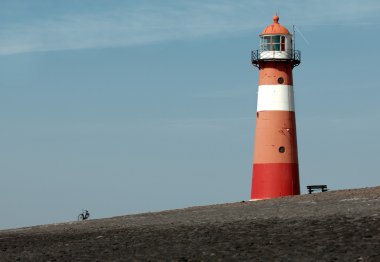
[151, 22]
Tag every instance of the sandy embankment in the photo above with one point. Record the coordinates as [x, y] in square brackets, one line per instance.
[339, 225]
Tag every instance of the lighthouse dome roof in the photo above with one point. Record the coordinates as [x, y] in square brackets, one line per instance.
[275, 28]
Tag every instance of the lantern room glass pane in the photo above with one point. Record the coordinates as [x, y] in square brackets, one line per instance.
[265, 43]
[282, 43]
[275, 43]
[272, 43]
[276, 39]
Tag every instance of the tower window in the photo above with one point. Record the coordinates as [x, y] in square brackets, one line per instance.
[280, 80]
[281, 149]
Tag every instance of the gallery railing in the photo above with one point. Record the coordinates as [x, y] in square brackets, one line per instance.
[259, 56]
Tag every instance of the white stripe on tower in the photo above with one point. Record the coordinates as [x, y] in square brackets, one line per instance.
[275, 97]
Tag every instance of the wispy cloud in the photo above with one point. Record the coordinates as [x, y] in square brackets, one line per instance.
[154, 21]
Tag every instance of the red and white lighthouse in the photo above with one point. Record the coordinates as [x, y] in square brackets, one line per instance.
[275, 165]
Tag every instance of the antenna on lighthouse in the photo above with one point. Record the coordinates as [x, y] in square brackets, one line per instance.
[302, 35]
[294, 38]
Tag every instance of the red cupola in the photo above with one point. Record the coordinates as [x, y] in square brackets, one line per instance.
[276, 28]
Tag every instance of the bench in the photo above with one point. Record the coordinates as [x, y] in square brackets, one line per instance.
[313, 188]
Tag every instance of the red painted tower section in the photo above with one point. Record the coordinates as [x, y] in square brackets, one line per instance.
[275, 165]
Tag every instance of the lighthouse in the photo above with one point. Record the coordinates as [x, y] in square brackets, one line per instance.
[275, 163]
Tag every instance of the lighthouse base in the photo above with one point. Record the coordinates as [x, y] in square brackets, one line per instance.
[273, 180]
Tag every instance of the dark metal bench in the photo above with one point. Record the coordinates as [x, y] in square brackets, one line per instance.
[313, 188]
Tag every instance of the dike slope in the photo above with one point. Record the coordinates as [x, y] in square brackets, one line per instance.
[338, 225]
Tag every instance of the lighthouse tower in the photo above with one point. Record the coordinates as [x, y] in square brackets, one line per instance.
[275, 165]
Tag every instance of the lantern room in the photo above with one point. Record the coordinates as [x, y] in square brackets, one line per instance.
[276, 43]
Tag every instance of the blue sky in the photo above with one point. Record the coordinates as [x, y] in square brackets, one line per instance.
[123, 107]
